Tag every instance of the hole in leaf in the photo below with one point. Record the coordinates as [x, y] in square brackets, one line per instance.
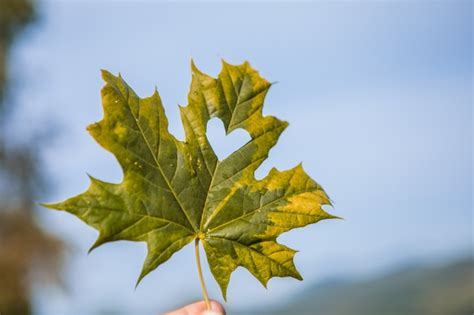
[223, 144]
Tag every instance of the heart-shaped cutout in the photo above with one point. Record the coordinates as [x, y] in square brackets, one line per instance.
[222, 144]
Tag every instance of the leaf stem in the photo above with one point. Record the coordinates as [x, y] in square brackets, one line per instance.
[201, 278]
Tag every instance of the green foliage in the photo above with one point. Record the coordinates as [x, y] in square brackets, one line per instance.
[14, 16]
[176, 191]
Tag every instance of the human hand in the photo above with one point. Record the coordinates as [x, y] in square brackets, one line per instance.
[199, 308]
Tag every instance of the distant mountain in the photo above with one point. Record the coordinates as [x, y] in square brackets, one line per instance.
[447, 290]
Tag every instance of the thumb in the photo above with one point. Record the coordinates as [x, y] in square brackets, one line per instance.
[199, 308]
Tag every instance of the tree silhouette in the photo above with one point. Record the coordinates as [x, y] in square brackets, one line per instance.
[27, 253]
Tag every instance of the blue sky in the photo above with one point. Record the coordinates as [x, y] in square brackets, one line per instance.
[379, 100]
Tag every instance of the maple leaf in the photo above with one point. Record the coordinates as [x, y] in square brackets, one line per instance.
[174, 192]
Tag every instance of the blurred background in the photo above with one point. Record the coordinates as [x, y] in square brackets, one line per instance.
[379, 98]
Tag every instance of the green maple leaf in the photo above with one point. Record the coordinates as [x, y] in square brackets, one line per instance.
[174, 192]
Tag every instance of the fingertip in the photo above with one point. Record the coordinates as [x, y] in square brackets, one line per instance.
[200, 308]
[216, 309]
